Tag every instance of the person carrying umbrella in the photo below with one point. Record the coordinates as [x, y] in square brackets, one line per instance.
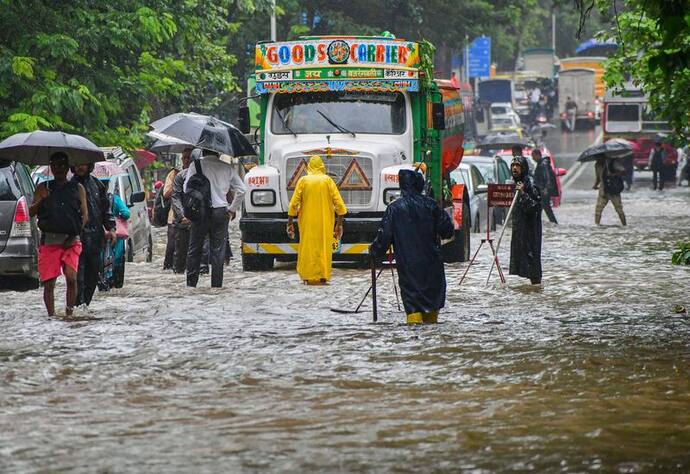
[545, 180]
[525, 242]
[62, 212]
[609, 182]
[93, 237]
[315, 203]
[222, 178]
[414, 225]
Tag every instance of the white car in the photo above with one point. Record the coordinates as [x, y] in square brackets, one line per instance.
[501, 110]
[477, 188]
[131, 189]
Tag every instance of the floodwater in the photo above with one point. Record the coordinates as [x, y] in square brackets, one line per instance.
[589, 373]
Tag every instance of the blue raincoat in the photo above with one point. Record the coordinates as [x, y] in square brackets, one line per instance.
[414, 224]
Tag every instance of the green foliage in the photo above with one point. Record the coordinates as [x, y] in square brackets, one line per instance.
[103, 69]
[682, 255]
[654, 53]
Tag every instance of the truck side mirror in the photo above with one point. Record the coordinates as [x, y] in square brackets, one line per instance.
[438, 116]
[243, 119]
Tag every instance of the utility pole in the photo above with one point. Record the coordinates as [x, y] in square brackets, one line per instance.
[553, 29]
[274, 33]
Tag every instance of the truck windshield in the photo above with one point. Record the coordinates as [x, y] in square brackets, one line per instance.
[356, 112]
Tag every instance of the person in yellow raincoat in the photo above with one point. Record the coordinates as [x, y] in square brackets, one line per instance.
[316, 201]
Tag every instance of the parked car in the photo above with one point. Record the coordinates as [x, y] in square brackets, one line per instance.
[131, 189]
[502, 110]
[471, 177]
[18, 231]
[494, 170]
[507, 156]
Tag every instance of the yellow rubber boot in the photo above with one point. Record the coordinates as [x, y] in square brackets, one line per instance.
[415, 318]
[430, 318]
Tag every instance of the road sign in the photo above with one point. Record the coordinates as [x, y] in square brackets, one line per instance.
[479, 54]
[501, 195]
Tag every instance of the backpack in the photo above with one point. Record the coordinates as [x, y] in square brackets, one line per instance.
[161, 208]
[196, 201]
[612, 184]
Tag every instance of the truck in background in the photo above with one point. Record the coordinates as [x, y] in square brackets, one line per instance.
[579, 85]
[595, 63]
[540, 60]
[369, 107]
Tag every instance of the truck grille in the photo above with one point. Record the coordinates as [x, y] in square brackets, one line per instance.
[356, 191]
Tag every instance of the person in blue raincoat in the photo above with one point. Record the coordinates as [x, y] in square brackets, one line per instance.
[414, 224]
[120, 211]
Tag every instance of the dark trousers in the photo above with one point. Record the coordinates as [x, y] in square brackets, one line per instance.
[170, 247]
[181, 249]
[88, 274]
[546, 205]
[657, 175]
[216, 227]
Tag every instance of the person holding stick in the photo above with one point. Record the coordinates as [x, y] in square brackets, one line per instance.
[414, 224]
[525, 243]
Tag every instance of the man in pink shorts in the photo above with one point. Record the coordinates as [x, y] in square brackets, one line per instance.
[62, 212]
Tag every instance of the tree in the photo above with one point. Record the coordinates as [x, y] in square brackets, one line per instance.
[102, 69]
[653, 52]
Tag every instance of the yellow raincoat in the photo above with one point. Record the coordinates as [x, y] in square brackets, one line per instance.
[316, 201]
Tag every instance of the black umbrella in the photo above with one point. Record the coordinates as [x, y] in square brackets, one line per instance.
[614, 148]
[36, 148]
[201, 131]
[496, 141]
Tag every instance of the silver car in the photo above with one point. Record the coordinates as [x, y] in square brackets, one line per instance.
[477, 188]
[130, 188]
[494, 170]
[18, 231]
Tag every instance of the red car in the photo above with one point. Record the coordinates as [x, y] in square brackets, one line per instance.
[507, 156]
[641, 149]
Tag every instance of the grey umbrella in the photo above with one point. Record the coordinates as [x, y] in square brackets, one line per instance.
[496, 141]
[614, 148]
[35, 148]
[201, 131]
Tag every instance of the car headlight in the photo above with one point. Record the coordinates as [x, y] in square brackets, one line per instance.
[263, 197]
[390, 195]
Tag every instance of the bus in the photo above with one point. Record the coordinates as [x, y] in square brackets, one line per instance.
[628, 115]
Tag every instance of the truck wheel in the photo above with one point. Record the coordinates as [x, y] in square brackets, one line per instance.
[257, 263]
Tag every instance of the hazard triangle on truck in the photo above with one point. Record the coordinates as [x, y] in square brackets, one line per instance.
[300, 171]
[354, 178]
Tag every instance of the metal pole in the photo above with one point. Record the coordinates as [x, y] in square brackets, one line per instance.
[553, 30]
[274, 33]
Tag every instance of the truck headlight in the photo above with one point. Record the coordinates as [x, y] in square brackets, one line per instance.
[263, 197]
[390, 195]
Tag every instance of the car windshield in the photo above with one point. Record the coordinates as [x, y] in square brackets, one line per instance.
[339, 112]
[499, 110]
[9, 191]
[461, 176]
[487, 171]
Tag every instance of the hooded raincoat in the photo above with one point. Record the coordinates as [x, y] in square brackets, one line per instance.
[316, 201]
[525, 244]
[414, 225]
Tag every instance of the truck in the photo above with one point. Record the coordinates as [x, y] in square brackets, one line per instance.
[540, 60]
[369, 106]
[595, 63]
[578, 84]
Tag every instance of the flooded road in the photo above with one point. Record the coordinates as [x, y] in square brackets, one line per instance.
[589, 373]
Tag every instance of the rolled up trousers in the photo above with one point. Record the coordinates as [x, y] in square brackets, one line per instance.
[216, 227]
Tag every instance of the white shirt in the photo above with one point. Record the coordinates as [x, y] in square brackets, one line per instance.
[536, 94]
[223, 178]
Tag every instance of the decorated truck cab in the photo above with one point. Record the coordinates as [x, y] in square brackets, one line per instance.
[369, 106]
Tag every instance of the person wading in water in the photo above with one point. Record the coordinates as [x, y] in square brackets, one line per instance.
[62, 212]
[414, 224]
[316, 201]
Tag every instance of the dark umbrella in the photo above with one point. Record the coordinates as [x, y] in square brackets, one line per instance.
[36, 148]
[614, 148]
[501, 141]
[201, 131]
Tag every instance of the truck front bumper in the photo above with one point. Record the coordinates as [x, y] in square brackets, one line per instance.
[266, 235]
